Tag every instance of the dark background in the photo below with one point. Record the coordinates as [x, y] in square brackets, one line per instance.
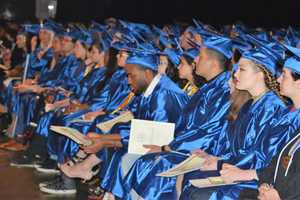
[264, 13]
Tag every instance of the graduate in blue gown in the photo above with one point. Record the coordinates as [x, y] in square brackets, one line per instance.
[161, 100]
[24, 104]
[280, 179]
[106, 94]
[199, 124]
[250, 139]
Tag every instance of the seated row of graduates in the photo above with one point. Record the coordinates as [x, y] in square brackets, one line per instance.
[239, 119]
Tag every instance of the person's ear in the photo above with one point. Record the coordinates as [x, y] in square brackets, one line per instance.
[148, 75]
[261, 75]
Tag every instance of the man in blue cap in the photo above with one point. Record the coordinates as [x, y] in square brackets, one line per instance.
[161, 100]
[201, 117]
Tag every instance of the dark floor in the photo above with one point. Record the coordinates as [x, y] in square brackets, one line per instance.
[22, 183]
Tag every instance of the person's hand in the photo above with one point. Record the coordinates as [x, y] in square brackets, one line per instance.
[29, 82]
[231, 173]
[267, 192]
[92, 115]
[40, 54]
[153, 148]
[97, 143]
[210, 163]
[200, 153]
[264, 187]
[49, 107]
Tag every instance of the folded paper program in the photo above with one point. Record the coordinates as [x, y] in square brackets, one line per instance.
[73, 134]
[210, 182]
[190, 164]
[124, 117]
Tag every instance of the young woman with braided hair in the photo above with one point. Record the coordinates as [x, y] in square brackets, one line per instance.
[249, 145]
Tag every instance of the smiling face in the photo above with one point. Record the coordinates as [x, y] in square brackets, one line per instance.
[247, 75]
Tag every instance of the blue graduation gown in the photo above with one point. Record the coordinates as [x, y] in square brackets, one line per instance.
[110, 97]
[250, 140]
[199, 126]
[36, 65]
[165, 104]
[24, 104]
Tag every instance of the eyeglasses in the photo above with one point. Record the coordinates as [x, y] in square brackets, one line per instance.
[163, 62]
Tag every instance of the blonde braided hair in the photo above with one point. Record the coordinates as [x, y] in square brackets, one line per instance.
[271, 81]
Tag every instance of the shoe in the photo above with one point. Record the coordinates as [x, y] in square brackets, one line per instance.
[95, 193]
[7, 143]
[74, 172]
[66, 186]
[47, 166]
[53, 181]
[25, 160]
[16, 147]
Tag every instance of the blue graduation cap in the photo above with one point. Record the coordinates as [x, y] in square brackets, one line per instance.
[293, 63]
[173, 55]
[174, 30]
[278, 34]
[71, 32]
[141, 31]
[220, 44]
[144, 59]
[95, 26]
[262, 35]
[31, 28]
[164, 37]
[274, 47]
[85, 37]
[105, 41]
[240, 44]
[191, 53]
[264, 56]
[290, 37]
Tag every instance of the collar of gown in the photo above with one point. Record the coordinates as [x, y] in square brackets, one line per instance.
[152, 85]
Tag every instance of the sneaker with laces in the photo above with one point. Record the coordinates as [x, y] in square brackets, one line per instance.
[66, 186]
[47, 166]
[54, 181]
[25, 160]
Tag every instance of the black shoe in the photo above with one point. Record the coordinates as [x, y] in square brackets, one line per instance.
[25, 160]
[66, 186]
[47, 166]
[54, 181]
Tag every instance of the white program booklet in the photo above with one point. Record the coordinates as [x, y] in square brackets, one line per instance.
[144, 132]
[192, 163]
[210, 182]
[73, 134]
